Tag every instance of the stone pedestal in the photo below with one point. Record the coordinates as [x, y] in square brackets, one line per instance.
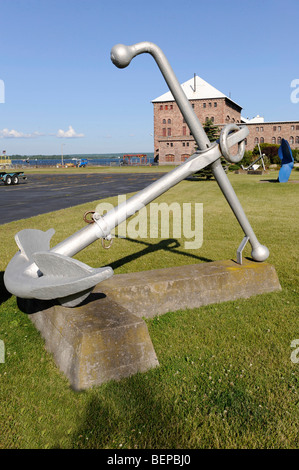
[151, 293]
[106, 338]
[96, 342]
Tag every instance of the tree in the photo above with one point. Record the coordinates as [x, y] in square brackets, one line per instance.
[213, 133]
[211, 130]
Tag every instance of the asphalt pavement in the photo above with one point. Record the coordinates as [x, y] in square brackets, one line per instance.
[40, 194]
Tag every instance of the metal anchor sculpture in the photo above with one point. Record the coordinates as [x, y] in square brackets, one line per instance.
[38, 272]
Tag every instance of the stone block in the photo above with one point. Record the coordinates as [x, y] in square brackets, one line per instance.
[151, 293]
[96, 342]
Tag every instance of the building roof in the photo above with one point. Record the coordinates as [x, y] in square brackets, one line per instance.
[253, 121]
[256, 120]
[195, 89]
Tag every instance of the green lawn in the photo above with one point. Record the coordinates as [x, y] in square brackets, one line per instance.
[226, 379]
[98, 169]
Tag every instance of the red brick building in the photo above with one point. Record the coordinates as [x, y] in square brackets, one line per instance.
[172, 138]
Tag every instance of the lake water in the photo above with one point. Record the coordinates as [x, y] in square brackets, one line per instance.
[93, 160]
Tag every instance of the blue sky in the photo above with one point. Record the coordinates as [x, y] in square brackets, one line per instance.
[63, 92]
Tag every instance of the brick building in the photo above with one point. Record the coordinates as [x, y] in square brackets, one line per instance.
[172, 138]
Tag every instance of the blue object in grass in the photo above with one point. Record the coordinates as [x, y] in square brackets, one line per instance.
[287, 161]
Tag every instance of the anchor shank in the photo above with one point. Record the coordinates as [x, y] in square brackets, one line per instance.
[84, 237]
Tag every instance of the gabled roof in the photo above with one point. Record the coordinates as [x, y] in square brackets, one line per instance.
[195, 89]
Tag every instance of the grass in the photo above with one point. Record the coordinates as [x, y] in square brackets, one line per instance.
[97, 169]
[226, 379]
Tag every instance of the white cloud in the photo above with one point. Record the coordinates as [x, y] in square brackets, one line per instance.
[13, 134]
[69, 133]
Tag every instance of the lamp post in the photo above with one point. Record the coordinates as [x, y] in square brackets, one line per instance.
[62, 154]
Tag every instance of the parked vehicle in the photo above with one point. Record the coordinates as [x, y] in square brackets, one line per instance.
[82, 163]
[10, 178]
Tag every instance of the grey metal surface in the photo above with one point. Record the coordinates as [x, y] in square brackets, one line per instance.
[35, 273]
[240, 249]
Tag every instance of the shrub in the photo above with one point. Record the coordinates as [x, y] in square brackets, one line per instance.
[295, 153]
[270, 150]
[234, 167]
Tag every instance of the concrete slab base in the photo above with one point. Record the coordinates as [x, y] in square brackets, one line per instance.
[151, 293]
[95, 342]
[106, 338]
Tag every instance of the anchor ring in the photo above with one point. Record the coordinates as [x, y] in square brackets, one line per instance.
[87, 220]
[106, 246]
[224, 146]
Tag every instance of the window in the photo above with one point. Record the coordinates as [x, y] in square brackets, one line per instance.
[297, 128]
[274, 128]
[164, 131]
[279, 128]
[169, 121]
[193, 106]
[257, 129]
[212, 118]
[261, 129]
[184, 130]
[207, 118]
[245, 141]
[262, 140]
[291, 140]
[184, 144]
[256, 140]
[184, 157]
[279, 140]
[205, 105]
[227, 118]
[169, 131]
[187, 144]
[171, 144]
[292, 128]
[297, 139]
[210, 105]
[215, 105]
[164, 121]
[166, 107]
[169, 158]
[161, 107]
[171, 106]
[273, 140]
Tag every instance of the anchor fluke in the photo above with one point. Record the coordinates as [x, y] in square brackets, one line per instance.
[65, 276]
[30, 241]
[48, 275]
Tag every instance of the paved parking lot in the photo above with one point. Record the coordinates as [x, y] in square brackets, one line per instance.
[46, 193]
